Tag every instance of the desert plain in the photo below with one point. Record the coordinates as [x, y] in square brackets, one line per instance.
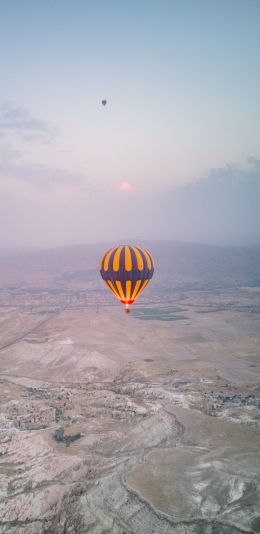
[141, 423]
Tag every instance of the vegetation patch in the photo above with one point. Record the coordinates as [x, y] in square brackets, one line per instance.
[158, 314]
[60, 437]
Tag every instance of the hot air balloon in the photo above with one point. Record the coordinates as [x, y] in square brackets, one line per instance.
[127, 270]
[103, 102]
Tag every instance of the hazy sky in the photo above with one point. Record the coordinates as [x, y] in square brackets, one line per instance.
[173, 155]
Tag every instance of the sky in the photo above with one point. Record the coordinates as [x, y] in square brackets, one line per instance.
[174, 154]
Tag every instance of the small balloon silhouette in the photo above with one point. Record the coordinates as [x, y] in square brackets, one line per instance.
[104, 102]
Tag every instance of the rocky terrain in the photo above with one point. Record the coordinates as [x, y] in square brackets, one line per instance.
[146, 424]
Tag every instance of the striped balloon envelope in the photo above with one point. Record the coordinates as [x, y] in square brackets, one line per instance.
[127, 270]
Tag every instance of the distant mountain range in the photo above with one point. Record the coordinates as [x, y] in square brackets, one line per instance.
[177, 264]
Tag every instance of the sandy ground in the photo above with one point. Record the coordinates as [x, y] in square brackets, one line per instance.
[166, 403]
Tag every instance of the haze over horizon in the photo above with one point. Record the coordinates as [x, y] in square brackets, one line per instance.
[175, 153]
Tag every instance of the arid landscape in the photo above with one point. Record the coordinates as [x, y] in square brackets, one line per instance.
[145, 423]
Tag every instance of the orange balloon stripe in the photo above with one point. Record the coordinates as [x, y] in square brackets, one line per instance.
[136, 288]
[128, 289]
[111, 286]
[128, 259]
[117, 259]
[120, 290]
[140, 263]
[142, 288]
[107, 258]
[148, 259]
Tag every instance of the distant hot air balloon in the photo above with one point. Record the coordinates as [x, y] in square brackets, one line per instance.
[103, 102]
[127, 270]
